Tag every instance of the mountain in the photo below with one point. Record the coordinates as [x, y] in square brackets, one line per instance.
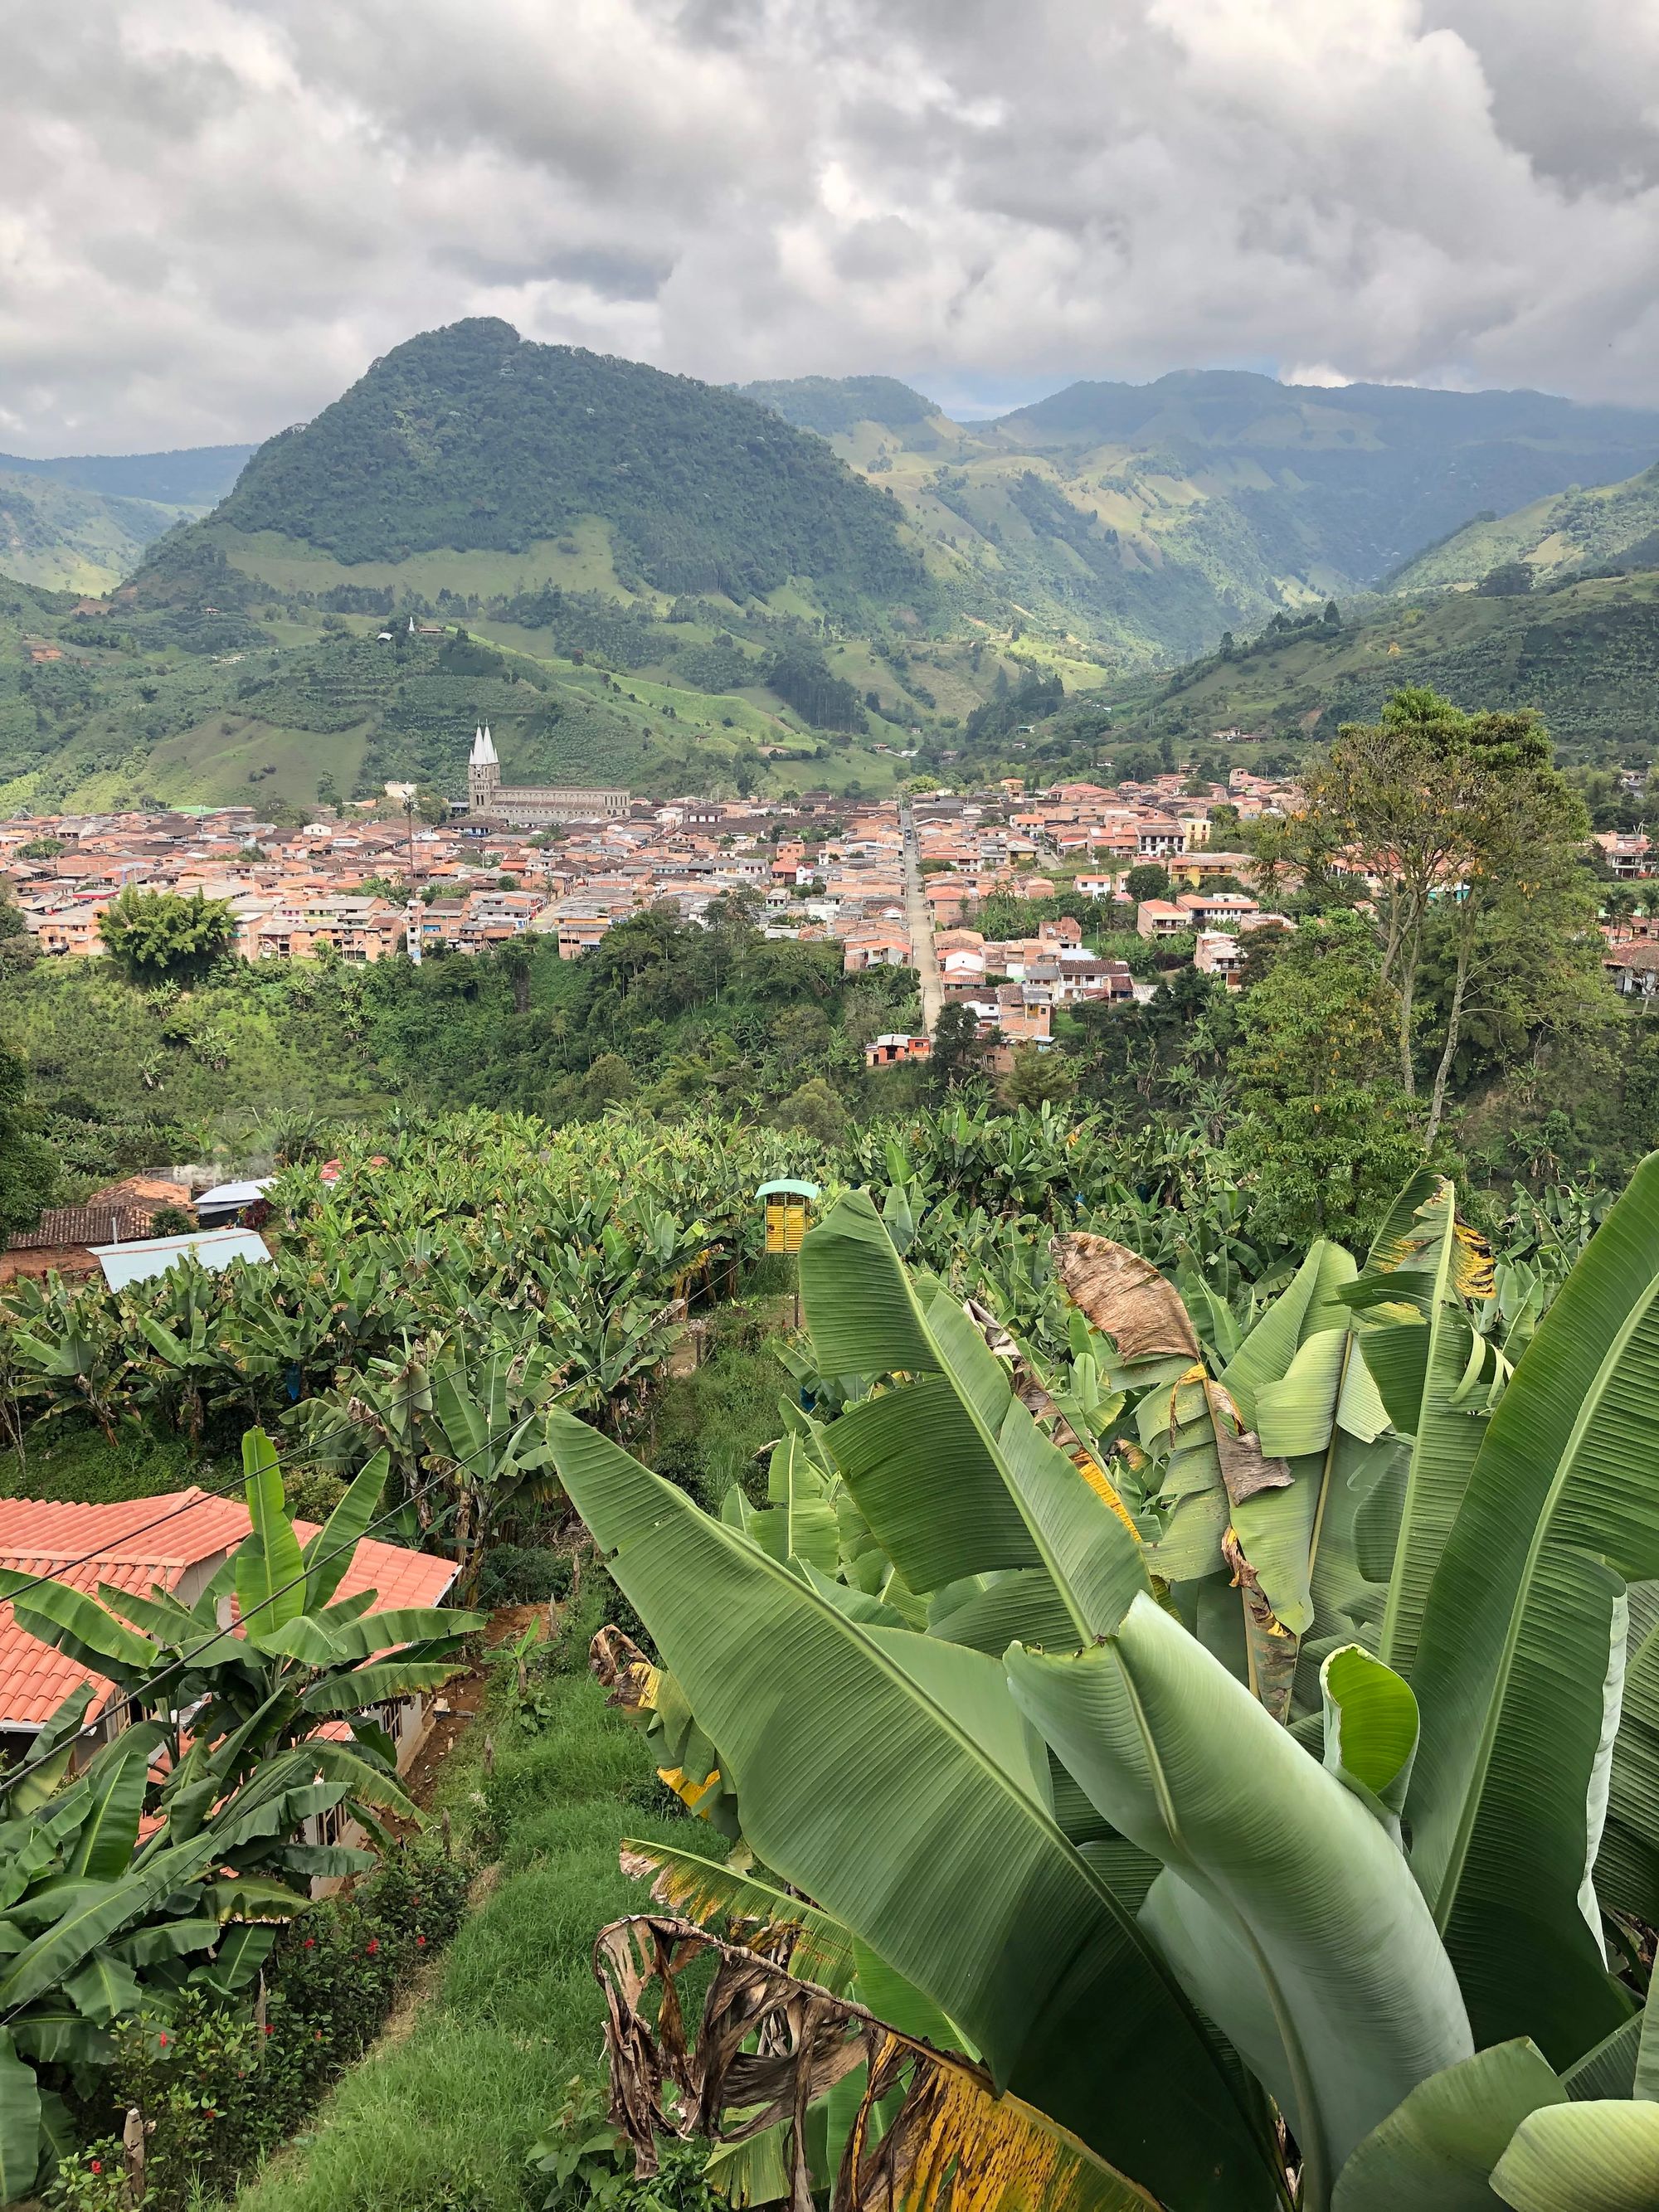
[82, 523]
[195, 476]
[1585, 653]
[471, 438]
[64, 538]
[1574, 532]
[1144, 519]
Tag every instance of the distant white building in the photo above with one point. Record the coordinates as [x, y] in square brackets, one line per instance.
[531, 806]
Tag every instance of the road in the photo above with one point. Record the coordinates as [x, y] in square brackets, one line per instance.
[921, 926]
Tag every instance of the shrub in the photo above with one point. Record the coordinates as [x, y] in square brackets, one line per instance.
[222, 2087]
[522, 1574]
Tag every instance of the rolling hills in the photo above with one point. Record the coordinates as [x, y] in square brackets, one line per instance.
[1603, 526]
[1142, 520]
[650, 580]
[83, 522]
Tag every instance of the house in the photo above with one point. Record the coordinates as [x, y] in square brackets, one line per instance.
[896, 1048]
[176, 1542]
[1633, 970]
[1160, 918]
[1218, 954]
[61, 1241]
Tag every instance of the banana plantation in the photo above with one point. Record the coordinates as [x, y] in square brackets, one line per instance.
[1169, 1721]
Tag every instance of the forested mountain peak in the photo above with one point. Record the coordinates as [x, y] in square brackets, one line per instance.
[831, 406]
[470, 436]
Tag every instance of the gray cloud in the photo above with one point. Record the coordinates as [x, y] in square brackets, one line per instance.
[214, 213]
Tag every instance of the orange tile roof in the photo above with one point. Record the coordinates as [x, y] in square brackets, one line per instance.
[39, 1537]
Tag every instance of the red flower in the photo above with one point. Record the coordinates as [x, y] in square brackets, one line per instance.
[419, 1942]
[270, 2031]
[310, 1944]
[98, 2165]
[372, 1946]
[162, 2040]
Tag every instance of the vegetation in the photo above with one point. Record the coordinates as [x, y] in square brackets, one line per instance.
[1384, 1512]
[158, 1873]
[470, 436]
[155, 937]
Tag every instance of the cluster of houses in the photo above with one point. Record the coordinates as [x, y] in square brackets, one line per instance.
[375, 882]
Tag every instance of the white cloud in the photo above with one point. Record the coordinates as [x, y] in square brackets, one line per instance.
[214, 213]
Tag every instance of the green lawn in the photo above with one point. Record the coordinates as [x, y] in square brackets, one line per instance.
[439, 2120]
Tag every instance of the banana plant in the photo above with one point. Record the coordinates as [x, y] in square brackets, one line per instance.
[1241, 1964]
[169, 1858]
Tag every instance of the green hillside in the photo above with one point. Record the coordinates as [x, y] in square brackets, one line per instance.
[1600, 527]
[472, 437]
[67, 538]
[195, 476]
[1585, 653]
[1140, 522]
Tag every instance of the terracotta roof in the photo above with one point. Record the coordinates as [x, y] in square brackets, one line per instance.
[39, 1537]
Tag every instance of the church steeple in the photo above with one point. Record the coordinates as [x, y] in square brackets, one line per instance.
[483, 773]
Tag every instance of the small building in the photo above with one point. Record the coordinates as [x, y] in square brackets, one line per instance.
[1160, 918]
[1218, 954]
[146, 1256]
[895, 1048]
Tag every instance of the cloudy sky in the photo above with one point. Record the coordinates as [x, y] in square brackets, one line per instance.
[214, 213]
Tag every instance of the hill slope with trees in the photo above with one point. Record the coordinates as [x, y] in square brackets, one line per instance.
[471, 437]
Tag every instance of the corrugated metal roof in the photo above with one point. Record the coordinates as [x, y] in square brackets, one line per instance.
[152, 1256]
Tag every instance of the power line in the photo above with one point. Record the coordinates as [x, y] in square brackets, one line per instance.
[237, 1482]
[10, 1779]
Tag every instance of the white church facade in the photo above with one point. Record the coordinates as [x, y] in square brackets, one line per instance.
[533, 807]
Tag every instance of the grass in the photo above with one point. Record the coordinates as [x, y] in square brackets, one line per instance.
[440, 2119]
[75, 1467]
[709, 1428]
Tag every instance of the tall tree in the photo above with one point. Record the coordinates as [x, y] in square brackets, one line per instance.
[157, 937]
[1443, 810]
[28, 1169]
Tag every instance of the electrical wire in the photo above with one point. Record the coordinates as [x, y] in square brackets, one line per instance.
[204, 1490]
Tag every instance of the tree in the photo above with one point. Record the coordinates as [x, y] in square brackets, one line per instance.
[1439, 806]
[1327, 1133]
[157, 937]
[431, 806]
[816, 1110]
[958, 1054]
[1037, 1078]
[28, 1170]
[1148, 879]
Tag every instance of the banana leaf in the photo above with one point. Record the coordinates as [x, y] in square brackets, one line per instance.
[1436, 2151]
[1582, 2158]
[1284, 1905]
[270, 1582]
[20, 2122]
[867, 1784]
[1520, 1668]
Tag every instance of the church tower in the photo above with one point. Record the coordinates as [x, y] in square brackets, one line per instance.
[483, 774]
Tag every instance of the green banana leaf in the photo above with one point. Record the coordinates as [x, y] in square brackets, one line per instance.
[20, 2122]
[327, 1555]
[861, 1787]
[1284, 1905]
[991, 1492]
[1520, 1668]
[1627, 1864]
[270, 1581]
[1436, 2151]
[108, 1836]
[97, 1911]
[1582, 2158]
[1446, 1433]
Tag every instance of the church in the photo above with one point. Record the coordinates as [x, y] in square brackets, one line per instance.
[530, 807]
